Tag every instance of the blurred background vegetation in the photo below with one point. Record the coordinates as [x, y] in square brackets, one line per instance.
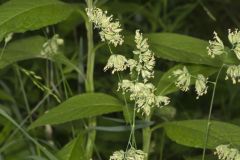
[196, 18]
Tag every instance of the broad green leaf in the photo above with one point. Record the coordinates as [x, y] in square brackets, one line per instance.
[74, 150]
[166, 83]
[23, 49]
[20, 16]
[186, 49]
[80, 106]
[192, 133]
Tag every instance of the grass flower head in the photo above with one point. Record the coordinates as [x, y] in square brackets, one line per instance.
[131, 154]
[143, 95]
[110, 30]
[216, 46]
[233, 72]
[117, 63]
[224, 152]
[146, 60]
[201, 85]
[51, 47]
[183, 78]
[234, 39]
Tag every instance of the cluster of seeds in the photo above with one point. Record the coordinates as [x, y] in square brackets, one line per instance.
[131, 154]
[183, 81]
[140, 89]
[216, 48]
[233, 72]
[140, 92]
[143, 95]
[224, 152]
[110, 30]
[51, 46]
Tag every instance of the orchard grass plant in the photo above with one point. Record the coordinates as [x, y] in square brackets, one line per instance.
[119, 80]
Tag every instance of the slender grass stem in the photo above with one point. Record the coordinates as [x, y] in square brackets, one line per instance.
[124, 96]
[131, 140]
[25, 100]
[147, 134]
[23, 91]
[4, 47]
[64, 82]
[162, 145]
[89, 84]
[210, 113]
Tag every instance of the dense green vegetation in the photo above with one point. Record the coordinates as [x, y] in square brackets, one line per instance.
[58, 103]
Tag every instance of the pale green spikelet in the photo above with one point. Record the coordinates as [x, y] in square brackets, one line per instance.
[216, 46]
[51, 46]
[117, 63]
[118, 155]
[131, 154]
[233, 72]
[224, 152]
[201, 85]
[234, 39]
[132, 64]
[143, 95]
[146, 60]
[183, 79]
[36, 81]
[110, 30]
[234, 36]
[134, 154]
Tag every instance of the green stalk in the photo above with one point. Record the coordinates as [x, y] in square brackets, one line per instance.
[26, 102]
[89, 84]
[23, 91]
[210, 113]
[147, 133]
[162, 145]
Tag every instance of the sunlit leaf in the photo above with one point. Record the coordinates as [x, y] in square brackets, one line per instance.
[192, 133]
[20, 16]
[80, 106]
[186, 49]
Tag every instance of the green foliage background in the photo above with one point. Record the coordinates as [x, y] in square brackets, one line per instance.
[34, 125]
